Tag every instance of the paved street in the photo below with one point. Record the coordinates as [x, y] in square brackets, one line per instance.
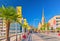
[43, 37]
[36, 37]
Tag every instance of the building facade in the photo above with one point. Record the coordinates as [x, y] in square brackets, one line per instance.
[54, 22]
[2, 27]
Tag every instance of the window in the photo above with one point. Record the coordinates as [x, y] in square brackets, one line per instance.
[4, 33]
[56, 24]
[57, 17]
[58, 21]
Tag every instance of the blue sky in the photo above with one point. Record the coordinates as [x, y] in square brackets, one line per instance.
[32, 9]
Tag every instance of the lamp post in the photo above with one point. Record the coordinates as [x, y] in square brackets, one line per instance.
[21, 26]
[16, 30]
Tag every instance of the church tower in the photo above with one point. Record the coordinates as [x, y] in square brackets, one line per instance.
[42, 21]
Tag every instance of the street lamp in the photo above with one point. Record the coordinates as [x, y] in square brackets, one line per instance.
[21, 26]
[16, 30]
[16, 25]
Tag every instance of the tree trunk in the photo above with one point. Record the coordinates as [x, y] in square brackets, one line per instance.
[7, 30]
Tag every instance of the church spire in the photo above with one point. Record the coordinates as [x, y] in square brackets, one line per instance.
[43, 12]
[43, 20]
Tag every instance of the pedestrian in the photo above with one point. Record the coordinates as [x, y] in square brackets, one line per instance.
[59, 33]
[29, 37]
[28, 32]
[24, 37]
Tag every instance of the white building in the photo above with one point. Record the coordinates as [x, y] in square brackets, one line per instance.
[2, 27]
[55, 22]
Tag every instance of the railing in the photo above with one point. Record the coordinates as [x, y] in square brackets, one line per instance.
[12, 38]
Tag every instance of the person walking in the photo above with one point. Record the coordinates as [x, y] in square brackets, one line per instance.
[24, 36]
[29, 36]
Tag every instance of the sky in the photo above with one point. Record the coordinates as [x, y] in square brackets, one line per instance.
[32, 9]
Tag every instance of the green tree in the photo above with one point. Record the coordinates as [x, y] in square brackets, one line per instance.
[58, 29]
[9, 15]
[48, 26]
